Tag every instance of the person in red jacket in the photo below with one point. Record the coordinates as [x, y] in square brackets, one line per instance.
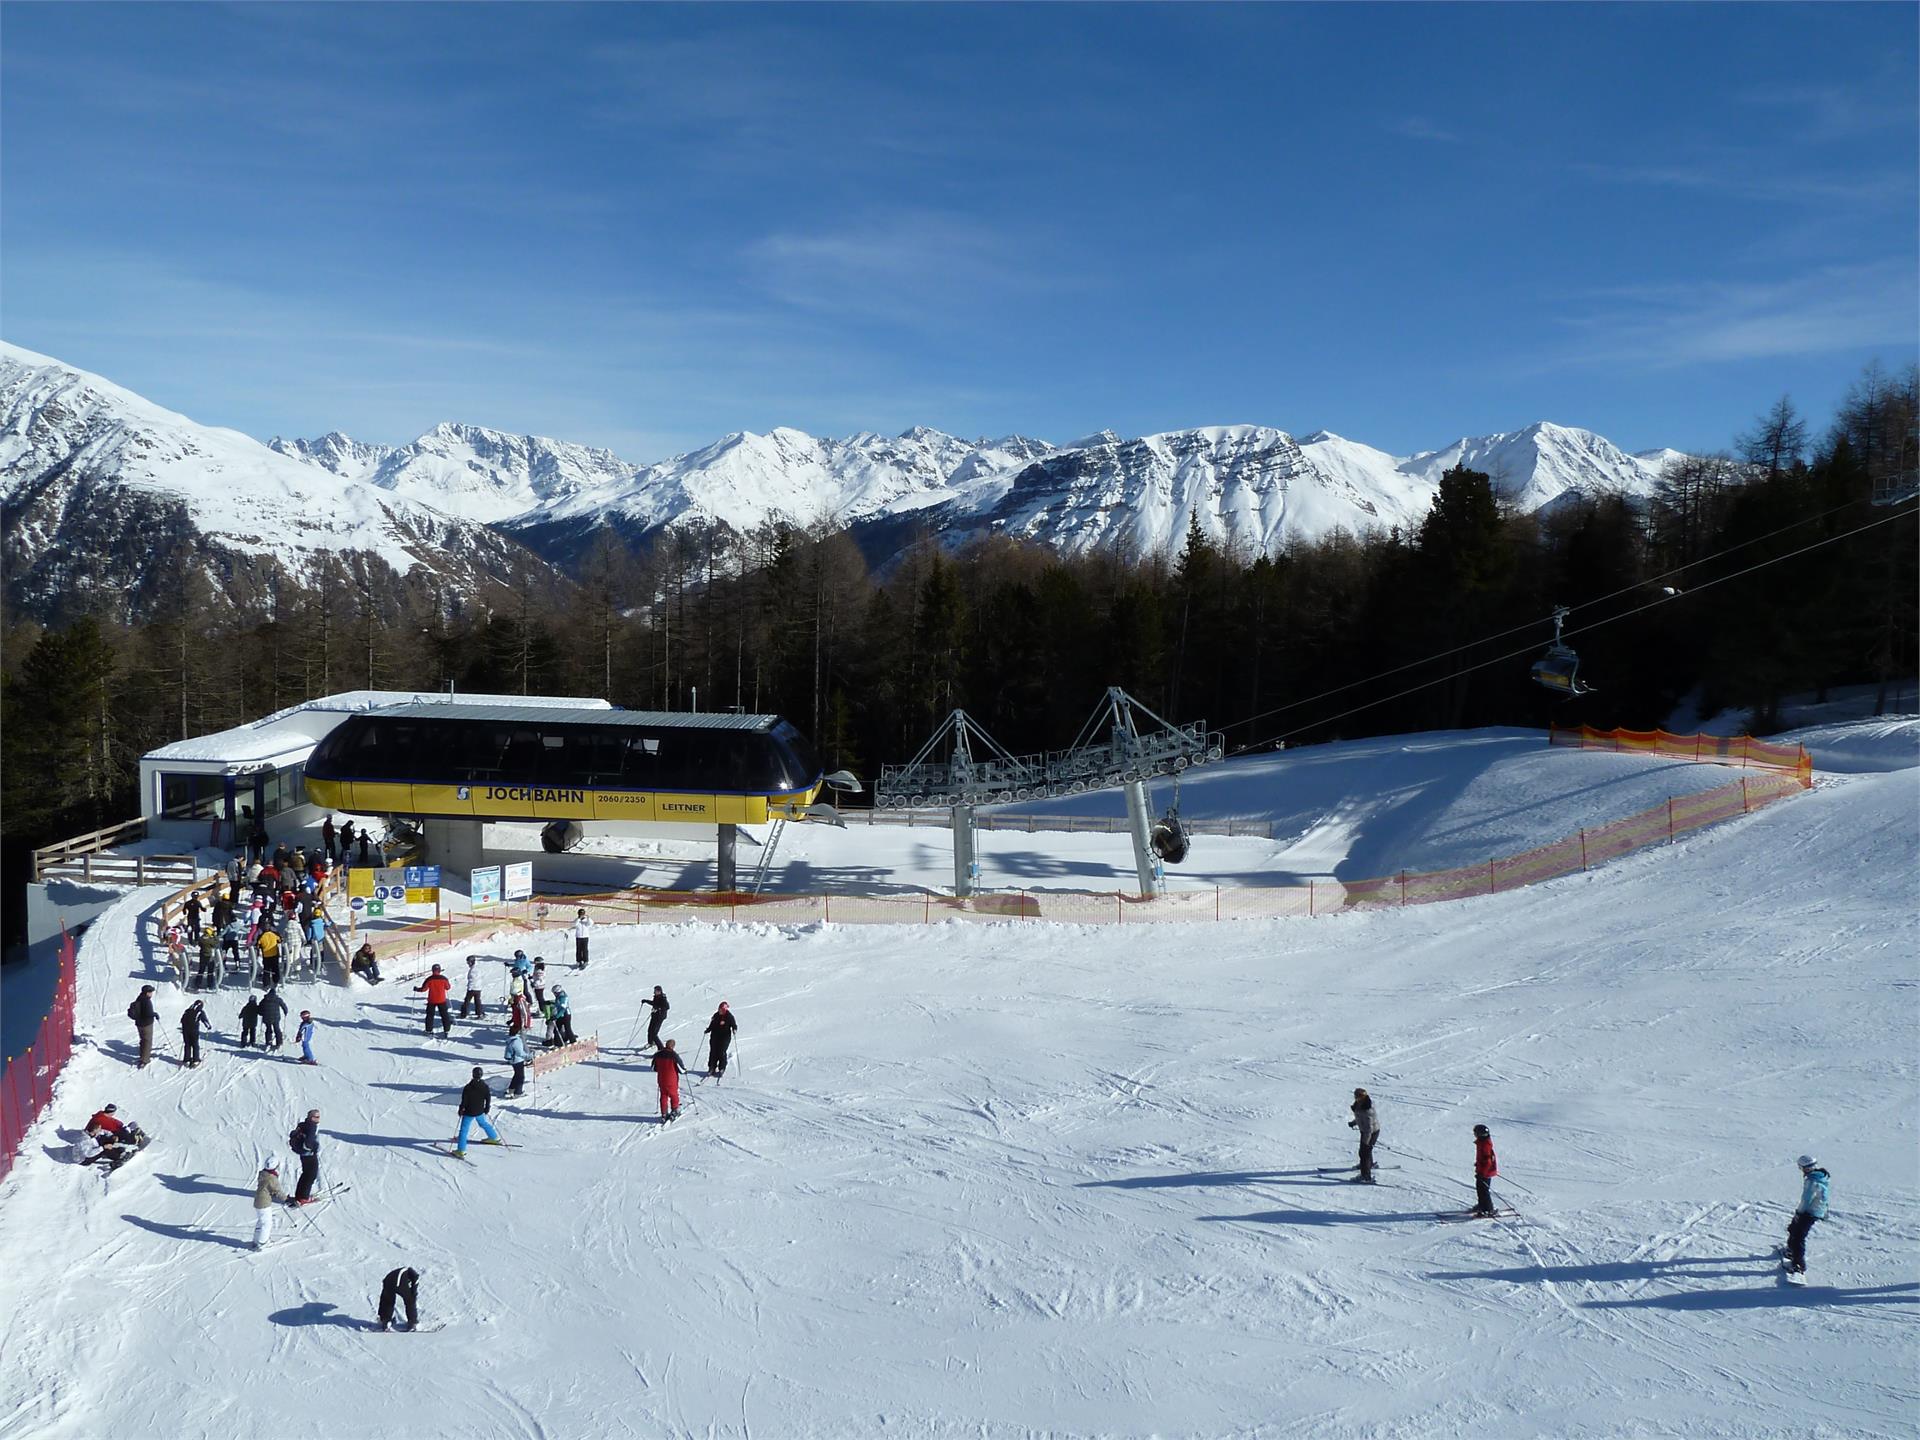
[1485, 1166]
[437, 987]
[667, 1067]
[104, 1120]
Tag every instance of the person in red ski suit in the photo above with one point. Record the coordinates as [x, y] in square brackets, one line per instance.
[667, 1067]
[1485, 1166]
[437, 987]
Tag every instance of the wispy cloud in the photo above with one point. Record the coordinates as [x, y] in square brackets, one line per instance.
[1419, 127]
[1745, 180]
[1838, 308]
[1841, 112]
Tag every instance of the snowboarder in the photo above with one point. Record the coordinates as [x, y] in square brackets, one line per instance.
[667, 1069]
[266, 1194]
[471, 1001]
[304, 1140]
[562, 1012]
[105, 1121]
[516, 1056]
[305, 1036]
[582, 928]
[720, 1028]
[272, 1010]
[1812, 1208]
[475, 1100]
[141, 1012]
[1367, 1121]
[249, 1022]
[113, 1142]
[403, 1285]
[365, 963]
[192, 1021]
[658, 1004]
[438, 987]
[1485, 1166]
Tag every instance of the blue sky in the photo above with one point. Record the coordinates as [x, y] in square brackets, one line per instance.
[645, 226]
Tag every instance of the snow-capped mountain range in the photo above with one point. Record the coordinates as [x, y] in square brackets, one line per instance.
[79, 454]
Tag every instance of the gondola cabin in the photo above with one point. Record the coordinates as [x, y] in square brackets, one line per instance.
[497, 762]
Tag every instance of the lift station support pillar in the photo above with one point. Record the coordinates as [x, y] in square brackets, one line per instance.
[1140, 827]
[726, 883]
[965, 866]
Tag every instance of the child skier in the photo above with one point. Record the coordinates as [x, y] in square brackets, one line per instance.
[249, 1022]
[192, 1021]
[516, 1056]
[1485, 1166]
[562, 1009]
[403, 1285]
[667, 1069]
[1367, 1121]
[305, 1036]
[1812, 1208]
[266, 1194]
[475, 1100]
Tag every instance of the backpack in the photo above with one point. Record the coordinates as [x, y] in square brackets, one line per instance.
[294, 1141]
[132, 1012]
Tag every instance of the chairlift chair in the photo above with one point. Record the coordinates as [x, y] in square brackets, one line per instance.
[1559, 669]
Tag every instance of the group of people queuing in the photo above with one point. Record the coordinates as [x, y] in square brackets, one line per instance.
[268, 915]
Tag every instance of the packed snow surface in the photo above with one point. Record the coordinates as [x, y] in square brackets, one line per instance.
[1027, 1179]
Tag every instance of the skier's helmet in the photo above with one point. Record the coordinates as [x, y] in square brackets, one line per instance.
[436, 969]
[1807, 1162]
[476, 1072]
[115, 1109]
[1480, 1130]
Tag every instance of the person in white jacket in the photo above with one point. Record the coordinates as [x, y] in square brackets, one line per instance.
[582, 927]
[472, 998]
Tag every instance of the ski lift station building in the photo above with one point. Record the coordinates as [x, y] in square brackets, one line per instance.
[201, 791]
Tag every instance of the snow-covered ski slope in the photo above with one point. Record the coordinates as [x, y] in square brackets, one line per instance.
[1038, 1180]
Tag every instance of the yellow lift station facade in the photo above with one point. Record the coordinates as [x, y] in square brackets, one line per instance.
[498, 762]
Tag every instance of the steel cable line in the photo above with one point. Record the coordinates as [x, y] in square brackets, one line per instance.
[1529, 624]
[1580, 630]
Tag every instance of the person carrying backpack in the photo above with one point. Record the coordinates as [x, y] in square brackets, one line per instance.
[142, 1013]
[304, 1141]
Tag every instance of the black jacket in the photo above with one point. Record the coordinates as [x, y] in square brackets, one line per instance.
[476, 1098]
[722, 1026]
[191, 1019]
[305, 1138]
[272, 1007]
[658, 1004]
[250, 1011]
[141, 1012]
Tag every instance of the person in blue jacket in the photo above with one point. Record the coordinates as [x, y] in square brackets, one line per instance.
[1813, 1206]
[562, 1017]
[517, 1057]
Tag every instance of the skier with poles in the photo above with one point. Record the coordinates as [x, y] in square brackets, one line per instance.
[667, 1069]
[720, 1029]
[249, 1022]
[1811, 1209]
[266, 1194]
[475, 1100]
[561, 1010]
[402, 1284]
[1486, 1165]
[304, 1139]
[582, 929]
[516, 1056]
[437, 988]
[305, 1036]
[1366, 1120]
[658, 1004]
[192, 1021]
[142, 1013]
[471, 1001]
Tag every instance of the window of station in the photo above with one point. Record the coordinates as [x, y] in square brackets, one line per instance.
[192, 797]
[286, 789]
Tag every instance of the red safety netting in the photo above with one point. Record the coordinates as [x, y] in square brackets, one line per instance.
[1742, 750]
[27, 1086]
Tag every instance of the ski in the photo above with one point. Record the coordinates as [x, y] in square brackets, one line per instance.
[1346, 1169]
[456, 1154]
[423, 1329]
[1505, 1212]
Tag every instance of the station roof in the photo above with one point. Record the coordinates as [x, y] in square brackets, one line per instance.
[554, 715]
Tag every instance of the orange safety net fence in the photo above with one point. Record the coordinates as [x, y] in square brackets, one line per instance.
[1741, 750]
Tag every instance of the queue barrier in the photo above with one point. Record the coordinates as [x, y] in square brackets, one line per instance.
[27, 1087]
[1742, 750]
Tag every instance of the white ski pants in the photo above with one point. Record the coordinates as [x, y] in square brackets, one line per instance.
[262, 1226]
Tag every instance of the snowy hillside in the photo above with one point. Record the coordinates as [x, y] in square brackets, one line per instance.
[1025, 1179]
[101, 487]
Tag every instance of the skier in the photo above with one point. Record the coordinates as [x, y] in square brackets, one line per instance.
[562, 1009]
[516, 1056]
[720, 1028]
[304, 1140]
[1485, 1166]
[471, 1001]
[404, 1285]
[266, 1194]
[438, 987]
[1367, 1121]
[249, 1022]
[142, 1013]
[365, 963]
[658, 1004]
[328, 836]
[207, 976]
[667, 1069]
[519, 1008]
[1812, 1208]
[192, 911]
[538, 980]
[582, 927]
[272, 1009]
[269, 947]
[475, 1100]
[192, 1021]
[305, 1036]
[317, 937]
[231, 934]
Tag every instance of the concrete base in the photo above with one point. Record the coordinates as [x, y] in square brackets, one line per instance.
[456, 844]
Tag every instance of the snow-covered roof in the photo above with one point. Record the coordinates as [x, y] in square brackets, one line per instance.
[288, 735]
